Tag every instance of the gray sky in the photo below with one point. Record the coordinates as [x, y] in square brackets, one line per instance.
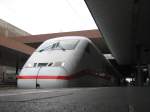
[47, 16]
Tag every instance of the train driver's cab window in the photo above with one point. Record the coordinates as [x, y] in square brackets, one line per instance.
[59, 45]
[69, 44]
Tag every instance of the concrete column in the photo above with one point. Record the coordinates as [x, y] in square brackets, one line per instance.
[148, 74]
[2, 73]
[139, 77]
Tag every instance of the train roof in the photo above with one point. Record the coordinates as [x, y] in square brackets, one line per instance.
[68, 38]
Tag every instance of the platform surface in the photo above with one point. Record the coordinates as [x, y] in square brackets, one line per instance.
[101, 99]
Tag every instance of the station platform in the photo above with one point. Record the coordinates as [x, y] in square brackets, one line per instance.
[101, 99]
[8, 86]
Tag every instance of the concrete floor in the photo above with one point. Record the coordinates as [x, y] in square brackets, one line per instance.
[102, 99]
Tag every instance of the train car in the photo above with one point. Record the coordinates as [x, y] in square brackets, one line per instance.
[70, 61]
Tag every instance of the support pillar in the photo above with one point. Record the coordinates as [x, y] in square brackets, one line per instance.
[139, 77]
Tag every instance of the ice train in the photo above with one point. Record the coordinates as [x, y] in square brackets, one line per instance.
[70, 61]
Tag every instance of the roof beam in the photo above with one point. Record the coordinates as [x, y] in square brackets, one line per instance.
[42, 37]
[15, 45]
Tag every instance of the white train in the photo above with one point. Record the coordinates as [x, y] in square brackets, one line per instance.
[71, 61]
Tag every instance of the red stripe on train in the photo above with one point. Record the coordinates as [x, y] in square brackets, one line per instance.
[45, 77]
[69, 77]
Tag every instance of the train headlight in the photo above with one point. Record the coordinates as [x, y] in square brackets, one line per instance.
[58, 64]
[63, 64]
[29, 65]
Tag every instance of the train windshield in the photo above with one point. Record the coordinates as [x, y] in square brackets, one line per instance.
[59, 45]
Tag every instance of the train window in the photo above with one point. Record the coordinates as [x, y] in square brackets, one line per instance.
[47, 46]
[69, 44]
[34, 64]
[42, 64]
[55, 45]
[60, 45]
[50, 64]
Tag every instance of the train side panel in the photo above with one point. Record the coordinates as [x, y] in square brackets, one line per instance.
[92, 69]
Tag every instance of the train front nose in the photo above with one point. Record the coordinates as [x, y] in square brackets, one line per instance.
[52, 77]
[44, 77]
[27, 78]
